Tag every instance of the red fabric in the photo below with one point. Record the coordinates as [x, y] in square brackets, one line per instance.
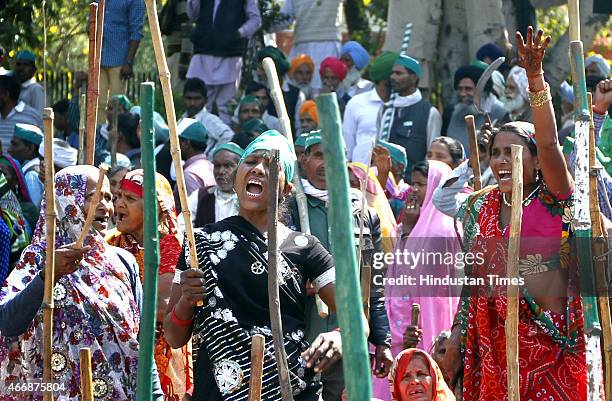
[131, 186]
[547, 371]
[335, 65]
[441, 392]
[169, 252]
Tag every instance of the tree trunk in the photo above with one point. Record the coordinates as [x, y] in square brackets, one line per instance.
[485, 23]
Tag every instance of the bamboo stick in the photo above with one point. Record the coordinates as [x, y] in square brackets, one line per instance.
[82, 117]
[93, 204]
[365, 284]
[512, 318]
[276, 322]
[100, 32]
[573, 11]
[86, 379]
[175, 150]
[356, 363]
[113, 135]
[92, 85]
[258, 345]
[151, 247]
[474, 153]
[599, 246]
[50, 217]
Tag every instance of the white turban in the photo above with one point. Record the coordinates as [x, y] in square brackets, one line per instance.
[64, 155]
[519, 76]
[600, 62]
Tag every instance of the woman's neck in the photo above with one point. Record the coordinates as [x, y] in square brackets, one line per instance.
[139, 236]
[259, 219]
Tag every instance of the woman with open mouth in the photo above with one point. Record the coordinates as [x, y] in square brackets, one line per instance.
[415, 376]
[232, 284]
[551, 323]
[172, 363]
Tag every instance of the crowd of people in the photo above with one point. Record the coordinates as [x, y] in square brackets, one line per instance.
[411, 191]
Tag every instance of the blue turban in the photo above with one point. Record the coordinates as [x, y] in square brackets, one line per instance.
[273, 139]
[490, 50]
[360, 56]
[397, 152]
[26, 55]
[410, 63]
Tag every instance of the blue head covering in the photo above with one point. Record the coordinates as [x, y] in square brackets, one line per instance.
[273, 139]
[26, 55]
[490, 50]
[360, 56]
[409, 63]
[397, 152]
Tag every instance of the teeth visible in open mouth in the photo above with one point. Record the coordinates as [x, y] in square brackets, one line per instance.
[504, 172]
[254, 188]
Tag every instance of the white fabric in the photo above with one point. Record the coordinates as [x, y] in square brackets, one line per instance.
[519, 76]
[64, 155]
[326, 278]
[322, 194]
[359, 125]
[226, 204]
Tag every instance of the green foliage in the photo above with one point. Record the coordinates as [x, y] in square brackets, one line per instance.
[270, 11]
[554, 21]
[374, 15]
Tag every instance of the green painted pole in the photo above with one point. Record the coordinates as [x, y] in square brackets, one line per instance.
[151, 246]
[355, 357]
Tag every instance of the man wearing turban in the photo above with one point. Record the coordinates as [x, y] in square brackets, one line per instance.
[32, 93]
[356, 59]
[222, 29]
[301, 74]
[333, 71]
[516, 103]
[309, 118]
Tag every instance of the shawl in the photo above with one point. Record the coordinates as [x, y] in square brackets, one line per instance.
[441, 392]
[95, 306]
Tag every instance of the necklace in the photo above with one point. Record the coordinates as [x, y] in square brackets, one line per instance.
[526, 201]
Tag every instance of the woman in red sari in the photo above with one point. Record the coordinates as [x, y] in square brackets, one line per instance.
[552, 363]
[172, 364]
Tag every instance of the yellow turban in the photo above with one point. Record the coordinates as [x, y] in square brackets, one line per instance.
[310, 107]
[299, 60]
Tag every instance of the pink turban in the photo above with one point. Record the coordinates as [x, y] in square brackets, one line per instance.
[335, 65]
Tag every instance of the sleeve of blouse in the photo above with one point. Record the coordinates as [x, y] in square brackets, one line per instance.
[319, 265]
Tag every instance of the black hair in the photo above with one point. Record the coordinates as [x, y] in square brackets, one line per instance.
[11, 84]
[61, 107]
[473, 73]
[255, 87]
[455, 148]
[421, 167]
[197, 145]
[514, 129]
[127, 125]
[195, 85]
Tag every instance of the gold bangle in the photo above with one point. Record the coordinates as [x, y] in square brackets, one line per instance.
[538, 99]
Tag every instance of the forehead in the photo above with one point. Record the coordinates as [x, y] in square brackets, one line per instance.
[466, 83]
[505, 139]
[249, 106]
[303, 68]
[223, 156]
[192, 94]
[328, 73]
[260, 93]
[24, 63]
[438, 147]
[417, 362]
[399, 69]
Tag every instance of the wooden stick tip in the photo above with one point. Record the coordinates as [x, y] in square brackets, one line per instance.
[48, 113]
[469, 119]
[516, 150]
[104, 168]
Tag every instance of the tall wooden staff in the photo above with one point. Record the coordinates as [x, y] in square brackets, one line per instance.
[474, 153]
[350, 316]
[50, 217]
[512, 308]
[273, 293]
[93, 82]
[113, 135]
[86, 379]
[258, 347]
[82, 118]
[582, 218]
[151, 246]
[599, 252]
[175, 150]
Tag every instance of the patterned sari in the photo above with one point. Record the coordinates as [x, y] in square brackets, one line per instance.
[95, 307]
[552, 363]
[173, 365]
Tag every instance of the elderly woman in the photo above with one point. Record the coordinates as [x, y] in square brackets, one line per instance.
[415, 376]
[232, 284]
[550, 335]
[97, 296]
[172, 364]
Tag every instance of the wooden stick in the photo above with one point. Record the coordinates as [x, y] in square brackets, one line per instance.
[92, 85]
[93, 204]
[273, 293]
[82, 118]
[175, 150]
[100, 32]
[365, 271]
[86, 378]
[258, 345]
[50, 217]
[365, 284]
[573, 11]
[415, 314]
[113, 135]
[474, 153]
[513, 274]
[600, 267]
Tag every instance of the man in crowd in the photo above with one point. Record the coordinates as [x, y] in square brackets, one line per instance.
[214, 203]
[249, 130]
[195, 97]
[596, 66]
[220, 37]
[356, 59]
[32, 93]
[301, 73]
[316, 32]
[249, 108]
[416, 123]
[332, 72]
[517, 104]
[309, 118]
[360, 116]
[197, 169]
[262, 93]
[123, 21]
[315, 187]
[13, 111]
[62, 126]
[128, 139]
[24, 148]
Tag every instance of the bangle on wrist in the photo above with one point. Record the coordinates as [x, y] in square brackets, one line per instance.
[599, 111]
[540, 98]
[179, 322]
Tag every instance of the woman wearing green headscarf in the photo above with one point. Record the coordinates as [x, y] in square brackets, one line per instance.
[232, 283]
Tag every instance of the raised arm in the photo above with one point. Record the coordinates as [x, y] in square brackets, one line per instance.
[550, 155]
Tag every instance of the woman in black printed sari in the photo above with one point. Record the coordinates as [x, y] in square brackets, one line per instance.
[232, 283]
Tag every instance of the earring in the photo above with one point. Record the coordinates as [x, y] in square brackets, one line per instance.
[537, 175]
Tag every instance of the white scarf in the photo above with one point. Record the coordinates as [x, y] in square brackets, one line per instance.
[226, 204]
[322, 194]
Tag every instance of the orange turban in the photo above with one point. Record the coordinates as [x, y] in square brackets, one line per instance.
[310, 107]
[299, 60]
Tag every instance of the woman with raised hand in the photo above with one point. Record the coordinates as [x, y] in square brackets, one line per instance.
[551, 348]
[232, 283]
[172, 364]
[97, 296]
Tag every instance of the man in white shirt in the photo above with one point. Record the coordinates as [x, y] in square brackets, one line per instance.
[13, 111]
[360, 115]
[24, 148]
[194, 99]
[32, 93]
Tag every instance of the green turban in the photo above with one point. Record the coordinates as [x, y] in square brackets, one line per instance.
[123, 101]
[273, 139]
[397, 152]
[314, 138]
[230, 147]
[253, 125]
[280, 60]
[249, 99]
[409, 63]
[301, 140]
[380, 69]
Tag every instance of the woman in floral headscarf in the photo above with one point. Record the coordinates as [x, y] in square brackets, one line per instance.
[97, 295]
[172, 364]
